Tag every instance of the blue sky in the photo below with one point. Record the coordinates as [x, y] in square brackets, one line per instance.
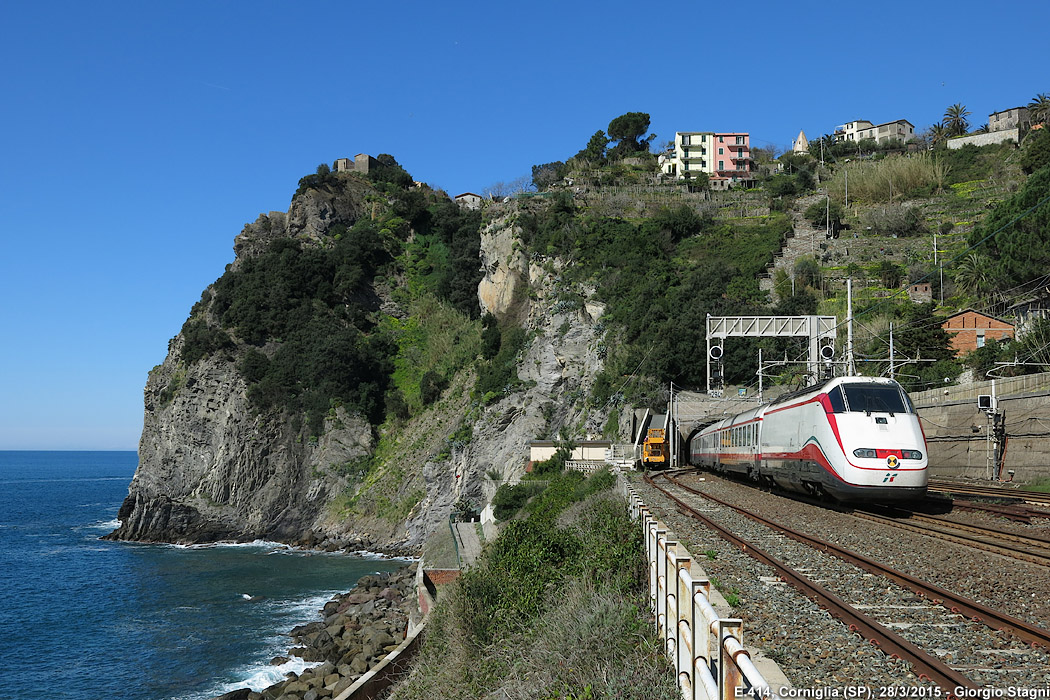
[138, 138]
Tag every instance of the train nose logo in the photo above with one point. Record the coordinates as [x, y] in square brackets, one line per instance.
[892, 462]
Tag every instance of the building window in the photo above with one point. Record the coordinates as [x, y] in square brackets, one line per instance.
[721, 139]
[721, 151]
[721, 165]
[980, 339]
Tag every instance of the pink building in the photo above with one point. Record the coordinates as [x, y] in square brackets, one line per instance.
[731, 158]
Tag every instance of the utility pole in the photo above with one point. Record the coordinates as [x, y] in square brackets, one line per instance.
[845, 174]
[850, 370]
[891, 349]
[667, 424]
[760, 375]
[827, 215]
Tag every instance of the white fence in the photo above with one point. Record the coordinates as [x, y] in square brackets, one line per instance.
[707, 650]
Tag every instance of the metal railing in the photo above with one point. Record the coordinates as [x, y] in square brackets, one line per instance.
[707, 650]
[587, 466]
[455, 542]
[623, 452]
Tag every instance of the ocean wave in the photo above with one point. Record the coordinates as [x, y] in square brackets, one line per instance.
[280, 548]
[257, 677]
[261, 674]
[107, 525]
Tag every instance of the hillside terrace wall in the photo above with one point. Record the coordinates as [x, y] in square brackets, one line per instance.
[986, 139]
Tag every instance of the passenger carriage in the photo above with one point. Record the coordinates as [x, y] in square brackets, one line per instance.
[850, 438]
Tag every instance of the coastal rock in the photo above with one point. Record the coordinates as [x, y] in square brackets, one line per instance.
[362, 645]
[210, 469]
[239, 694]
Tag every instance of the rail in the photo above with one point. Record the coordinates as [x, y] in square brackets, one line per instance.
[1002, 492]
[928, 665]
[679, 596]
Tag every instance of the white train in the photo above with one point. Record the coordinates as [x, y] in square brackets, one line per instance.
[849, 438]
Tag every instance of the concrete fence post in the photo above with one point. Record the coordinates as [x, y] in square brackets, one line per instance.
[728, 671]
[664, 547]
[683, 627]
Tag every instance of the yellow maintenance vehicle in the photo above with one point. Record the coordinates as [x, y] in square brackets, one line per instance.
[655, 452]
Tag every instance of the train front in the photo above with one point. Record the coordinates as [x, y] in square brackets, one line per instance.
[883, 447]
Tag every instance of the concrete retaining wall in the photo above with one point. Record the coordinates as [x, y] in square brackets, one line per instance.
[957, 432]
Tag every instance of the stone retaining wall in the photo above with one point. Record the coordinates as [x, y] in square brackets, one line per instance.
[985, 139]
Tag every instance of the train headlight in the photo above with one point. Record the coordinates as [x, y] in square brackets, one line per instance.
[864, 452]
[911, 454]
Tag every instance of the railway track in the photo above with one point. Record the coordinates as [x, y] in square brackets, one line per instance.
[955, 607]
[952, 487]
[1033, 549]
[1018, 512]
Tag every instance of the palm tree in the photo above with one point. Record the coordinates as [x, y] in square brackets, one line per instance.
[1039, 109]
[972, 274]
[935, 134]
[982, 129]
[955, 119]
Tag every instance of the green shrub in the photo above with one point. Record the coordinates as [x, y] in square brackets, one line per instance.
[819, 214]
[1036, 152]
[509, 499]
[430, 387]
[500, 373]
[896, 220]
[508, 586]
[549, 612]
[201, 340]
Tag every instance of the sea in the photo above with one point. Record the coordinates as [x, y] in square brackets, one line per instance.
[84, 618]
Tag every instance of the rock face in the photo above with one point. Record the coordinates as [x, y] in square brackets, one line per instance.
[309, 217]
[210, 470]
[506, 268]
[558, 367]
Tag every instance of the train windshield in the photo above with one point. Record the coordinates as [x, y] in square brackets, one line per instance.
[876, 398]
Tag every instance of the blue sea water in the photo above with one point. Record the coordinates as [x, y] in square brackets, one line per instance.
[89, 619]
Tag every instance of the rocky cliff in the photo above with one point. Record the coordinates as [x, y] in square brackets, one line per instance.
[558, 367]
[211, 467]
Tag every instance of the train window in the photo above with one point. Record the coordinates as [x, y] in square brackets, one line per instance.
[880, 398]
[838, 405]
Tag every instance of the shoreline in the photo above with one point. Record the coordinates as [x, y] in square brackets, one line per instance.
[356, 632]
[312, 543]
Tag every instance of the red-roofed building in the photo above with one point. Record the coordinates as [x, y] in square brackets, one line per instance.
[971, 330]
